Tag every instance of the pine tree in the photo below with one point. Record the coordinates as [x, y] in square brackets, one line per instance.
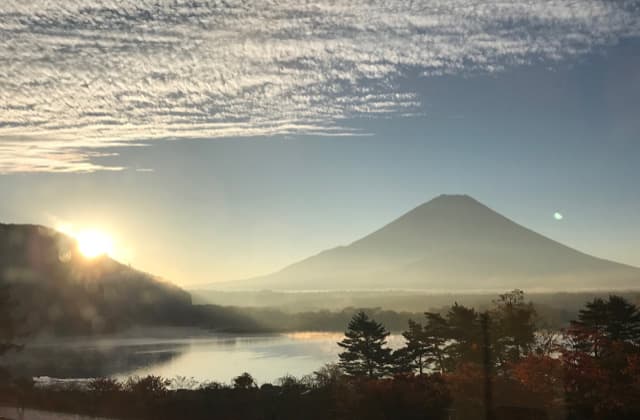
[365, 352]
[514, 326]
[437, 335]
[624, 320]
[603, 321]
[417, 349]
[465, 331]
[425, 345]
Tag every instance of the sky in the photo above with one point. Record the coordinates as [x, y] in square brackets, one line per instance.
[222, 140]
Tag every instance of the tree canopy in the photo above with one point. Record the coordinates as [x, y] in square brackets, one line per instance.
[366, 352]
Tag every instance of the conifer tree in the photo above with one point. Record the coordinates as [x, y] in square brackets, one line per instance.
[466, 334]
[602, 321]
[366, 352]
[417, 349]
[437, 335]
[514, 326]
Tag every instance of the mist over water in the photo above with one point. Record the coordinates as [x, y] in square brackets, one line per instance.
[203, 358]
[267, 357]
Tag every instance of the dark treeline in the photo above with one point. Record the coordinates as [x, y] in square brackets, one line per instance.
[564, 304]
[330, 311]
[327, 394]
[547, 315]
[462, 363]
[236, 319]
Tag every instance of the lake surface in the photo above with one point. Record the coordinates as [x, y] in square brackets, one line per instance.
[211, 357]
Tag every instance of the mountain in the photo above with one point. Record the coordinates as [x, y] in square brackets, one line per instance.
[452, 242]
[54, 288]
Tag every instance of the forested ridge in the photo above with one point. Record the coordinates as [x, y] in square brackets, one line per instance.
[55, 289]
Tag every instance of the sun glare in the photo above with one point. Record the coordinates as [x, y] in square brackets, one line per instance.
[93, 243]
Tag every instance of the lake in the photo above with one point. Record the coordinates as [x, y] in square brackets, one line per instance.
[203, 357]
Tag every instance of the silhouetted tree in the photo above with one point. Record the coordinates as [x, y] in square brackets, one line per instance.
[465, 331]
[425, 345]
[616, 317]
[151, 385]
[513, 326]
[365, 352]
[416, 351]
[328, 375]
[436, 335]
[244, 381]
[402, 361]
[624, 321]
[602, 322]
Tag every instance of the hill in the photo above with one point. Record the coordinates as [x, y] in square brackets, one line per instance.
[54, 288]
[452, 242]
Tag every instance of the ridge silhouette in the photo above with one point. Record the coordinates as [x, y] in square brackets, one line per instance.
[57, 289]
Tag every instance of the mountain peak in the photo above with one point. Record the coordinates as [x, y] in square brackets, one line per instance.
[452, 241]
[453, 200]
[446, 210]
[452, 197]
[450, 201]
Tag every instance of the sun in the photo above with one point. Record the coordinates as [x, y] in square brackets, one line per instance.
[93, 243]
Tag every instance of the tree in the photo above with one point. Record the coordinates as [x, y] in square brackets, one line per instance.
[244, 381]
[602, 386]
[624, 320]
[604, 321]
[148, 387]
[328, 375]
[616, 318]
[466, 333]
[540, 374]
[437, 334]
[417, 348]
[425, 345]
[514, 326]
[365, 352]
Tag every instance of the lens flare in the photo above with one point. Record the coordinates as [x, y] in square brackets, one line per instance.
[93, 243]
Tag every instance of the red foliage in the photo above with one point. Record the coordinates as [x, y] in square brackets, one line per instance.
[606, 384]
[539, 374]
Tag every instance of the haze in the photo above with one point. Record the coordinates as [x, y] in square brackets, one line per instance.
[210, 149]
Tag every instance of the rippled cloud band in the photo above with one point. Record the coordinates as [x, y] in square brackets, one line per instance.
[77, 77]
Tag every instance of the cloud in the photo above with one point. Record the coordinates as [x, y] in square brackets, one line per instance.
[80, 76]
[27, 155]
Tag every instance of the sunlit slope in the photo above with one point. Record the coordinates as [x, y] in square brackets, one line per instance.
[55, 287]
[452, 242]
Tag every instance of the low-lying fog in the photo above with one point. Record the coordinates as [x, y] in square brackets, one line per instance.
[193, 354]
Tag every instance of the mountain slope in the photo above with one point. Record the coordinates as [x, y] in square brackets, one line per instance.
[55, 288]
[452, 242]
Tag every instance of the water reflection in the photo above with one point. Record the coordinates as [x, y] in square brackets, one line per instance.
[266, 357]
[218, 357]
[86, 360]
